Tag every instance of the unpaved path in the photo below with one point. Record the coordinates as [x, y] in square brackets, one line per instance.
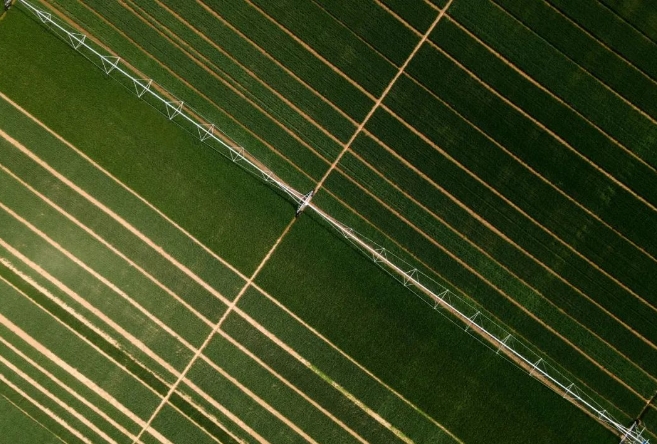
[380, 100]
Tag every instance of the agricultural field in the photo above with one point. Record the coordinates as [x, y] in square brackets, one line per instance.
[154, 290]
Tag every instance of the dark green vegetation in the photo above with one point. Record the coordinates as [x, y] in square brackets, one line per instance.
[512, 162]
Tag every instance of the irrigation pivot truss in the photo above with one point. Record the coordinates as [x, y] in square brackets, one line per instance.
[441, 299]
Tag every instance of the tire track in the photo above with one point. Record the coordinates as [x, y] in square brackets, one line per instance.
[604, 85]
[507, 201]
[86, 381]
[502, 292]
[46, 410]
[379, 101]
[162, 215]
[493, 260]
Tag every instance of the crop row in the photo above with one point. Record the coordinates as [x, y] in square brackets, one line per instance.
[533, 145]
[384, 32]
[615, 32]
[586, 52]
[380, 324]
[559, 118]
[476, 153]
[555, 71]
[493, 298]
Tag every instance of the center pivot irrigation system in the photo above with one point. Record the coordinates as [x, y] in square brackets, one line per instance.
[441, 299]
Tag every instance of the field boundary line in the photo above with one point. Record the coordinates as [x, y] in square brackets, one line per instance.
[379, 101]
[285, 381]
[514, 156]
[72, 392]
[580, 68]
[32, 417]
[358, 365]
[105, 243]
[54, 398]
[205, 343]
[46, 410]
[495, 261]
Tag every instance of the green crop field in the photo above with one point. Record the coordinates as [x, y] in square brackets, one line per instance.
[500, 154]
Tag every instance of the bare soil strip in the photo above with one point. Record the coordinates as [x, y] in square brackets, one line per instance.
[264, 404]
[312, 51]
[600, 42]
[99, 277]
[231, 307]
[30, 416]
[224, 411]
[95, 202]
[274, 61]
[134, 342]
[607, 87]
[72, 371]
[492, 260]
[108, 246]
[397, 17]
[499, 290]
[254, 76]
[145, 202]
[287, 383]
[46, 410]
[344, 392]
[188, 85]
[506, 200]
[125, 187]
[203, 63]
[72, 392]
[354, 362]
[77, 298]
[378, 103]
[526, 166]
[70, 410]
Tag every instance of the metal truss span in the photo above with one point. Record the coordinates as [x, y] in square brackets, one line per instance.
[455, 308]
